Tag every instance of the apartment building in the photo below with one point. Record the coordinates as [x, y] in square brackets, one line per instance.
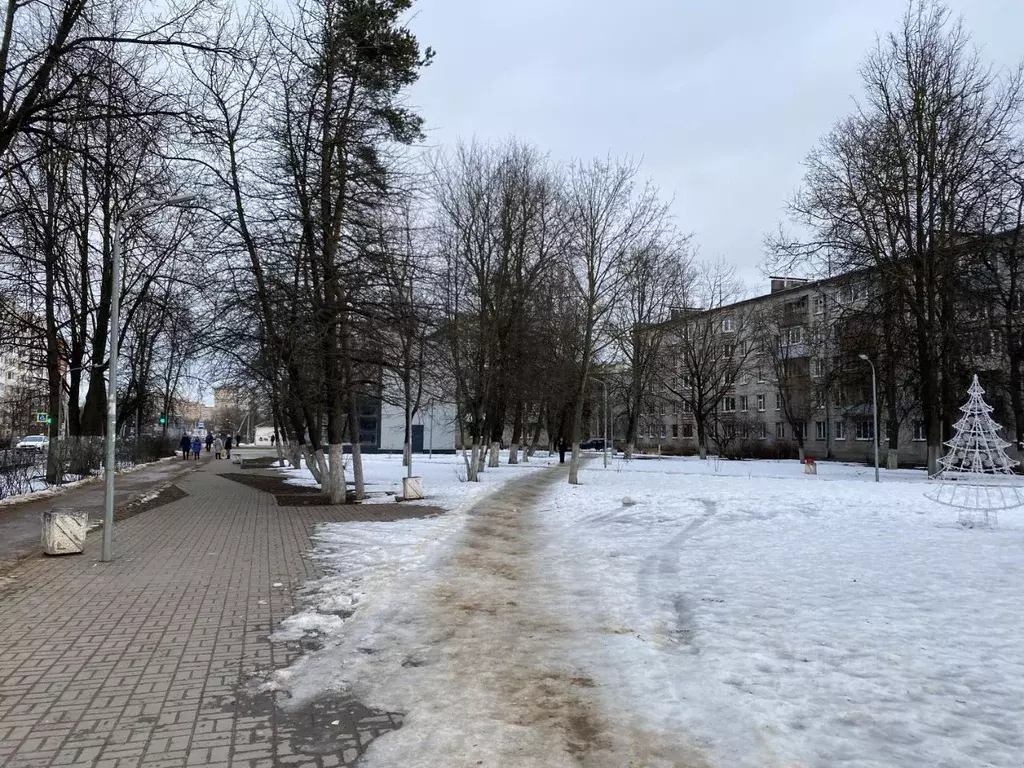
[787, 372]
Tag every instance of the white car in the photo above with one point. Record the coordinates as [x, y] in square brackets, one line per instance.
[36, 442]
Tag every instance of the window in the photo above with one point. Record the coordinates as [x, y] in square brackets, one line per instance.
[664, 430]
[675, 430]
[728, 324]
[794, 335]
[778, 402]
[865, 429]
[687, 430]
[730, 429]
[800, 430]
[820, 430]
[840, 430]
[743, 403]
[760, 375]
[728, 403]
[760, 402]
[729, 350]
[920, 433]
[780, 430]
[817, 368]
[819, 305]
[730, 379]
[762, 430]
[686, 408]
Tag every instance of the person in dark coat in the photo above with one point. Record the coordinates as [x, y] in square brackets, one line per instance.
[185, 444]
[209, 441]
[227, 447]
[562, 448]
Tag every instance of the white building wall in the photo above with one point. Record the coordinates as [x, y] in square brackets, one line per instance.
[439, 429]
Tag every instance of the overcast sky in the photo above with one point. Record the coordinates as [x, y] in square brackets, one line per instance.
[721, 100]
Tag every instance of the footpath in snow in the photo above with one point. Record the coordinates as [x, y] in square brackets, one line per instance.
[738, 614]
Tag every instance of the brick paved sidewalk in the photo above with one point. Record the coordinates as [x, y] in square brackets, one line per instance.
[20, 523]
[144, 661]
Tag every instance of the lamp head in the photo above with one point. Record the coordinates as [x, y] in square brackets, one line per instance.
[862, 356]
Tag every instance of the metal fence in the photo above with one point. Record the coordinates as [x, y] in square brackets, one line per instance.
[71, 459]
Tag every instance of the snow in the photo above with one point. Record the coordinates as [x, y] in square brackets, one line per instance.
[736, 614]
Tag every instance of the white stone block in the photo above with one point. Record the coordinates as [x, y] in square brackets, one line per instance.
[64, 531]
[412, 488]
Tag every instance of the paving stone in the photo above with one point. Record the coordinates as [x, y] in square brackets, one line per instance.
[131, 664]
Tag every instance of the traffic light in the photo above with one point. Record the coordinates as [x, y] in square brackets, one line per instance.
[163, 420]
[49, 420]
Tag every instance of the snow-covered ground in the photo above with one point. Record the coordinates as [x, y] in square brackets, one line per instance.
[737, 614]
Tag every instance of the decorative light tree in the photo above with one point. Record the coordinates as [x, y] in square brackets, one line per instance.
[977, 476]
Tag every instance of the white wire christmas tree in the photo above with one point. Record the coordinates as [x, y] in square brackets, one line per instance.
[977, 476]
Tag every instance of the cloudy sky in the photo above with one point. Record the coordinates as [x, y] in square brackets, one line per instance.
[721, 100]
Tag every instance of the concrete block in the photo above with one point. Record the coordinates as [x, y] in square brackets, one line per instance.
[64, 531]
[412, 488]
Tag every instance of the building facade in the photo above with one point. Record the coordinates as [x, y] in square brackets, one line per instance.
[781, 377]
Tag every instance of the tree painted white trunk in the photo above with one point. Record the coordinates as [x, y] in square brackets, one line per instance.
[574, 464]
[336, 475]
[495, 455]
[800, 452]
[280, 453]
[627, 451]
[527, 452]
[357, 471]
[892, 459]
[513, 453]
[315, 464]
[481, 463]
[473, 463]
[407, 458]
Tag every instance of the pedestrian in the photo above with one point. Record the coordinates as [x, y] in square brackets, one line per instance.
[562, 448]
[273, 440]
[185, 444]
[227, 446]
[218, 448]
[209, 441]
[197, 447]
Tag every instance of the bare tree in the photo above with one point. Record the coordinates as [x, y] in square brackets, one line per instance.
[895, 186]
[656, 282]
[709, 346]
[606, 218]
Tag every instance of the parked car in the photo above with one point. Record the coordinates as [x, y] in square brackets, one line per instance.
[593, 444]
[34, 442]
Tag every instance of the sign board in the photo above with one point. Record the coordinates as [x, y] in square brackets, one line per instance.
[42, 417]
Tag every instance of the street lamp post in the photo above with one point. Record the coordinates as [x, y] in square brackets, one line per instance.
[604, 424]
[874, 407]
[115, 322]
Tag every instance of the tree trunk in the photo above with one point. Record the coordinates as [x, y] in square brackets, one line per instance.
[337, 474]
[517, 436]
[577, 425]
[495, 455]
[702, 439]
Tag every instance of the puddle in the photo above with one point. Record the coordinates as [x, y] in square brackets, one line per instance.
[330, 726]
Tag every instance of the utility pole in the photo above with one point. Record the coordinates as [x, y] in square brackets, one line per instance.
[115, 330]
[604, 420]
[874, 407]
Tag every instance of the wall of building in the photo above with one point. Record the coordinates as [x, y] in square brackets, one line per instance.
[439, 428]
